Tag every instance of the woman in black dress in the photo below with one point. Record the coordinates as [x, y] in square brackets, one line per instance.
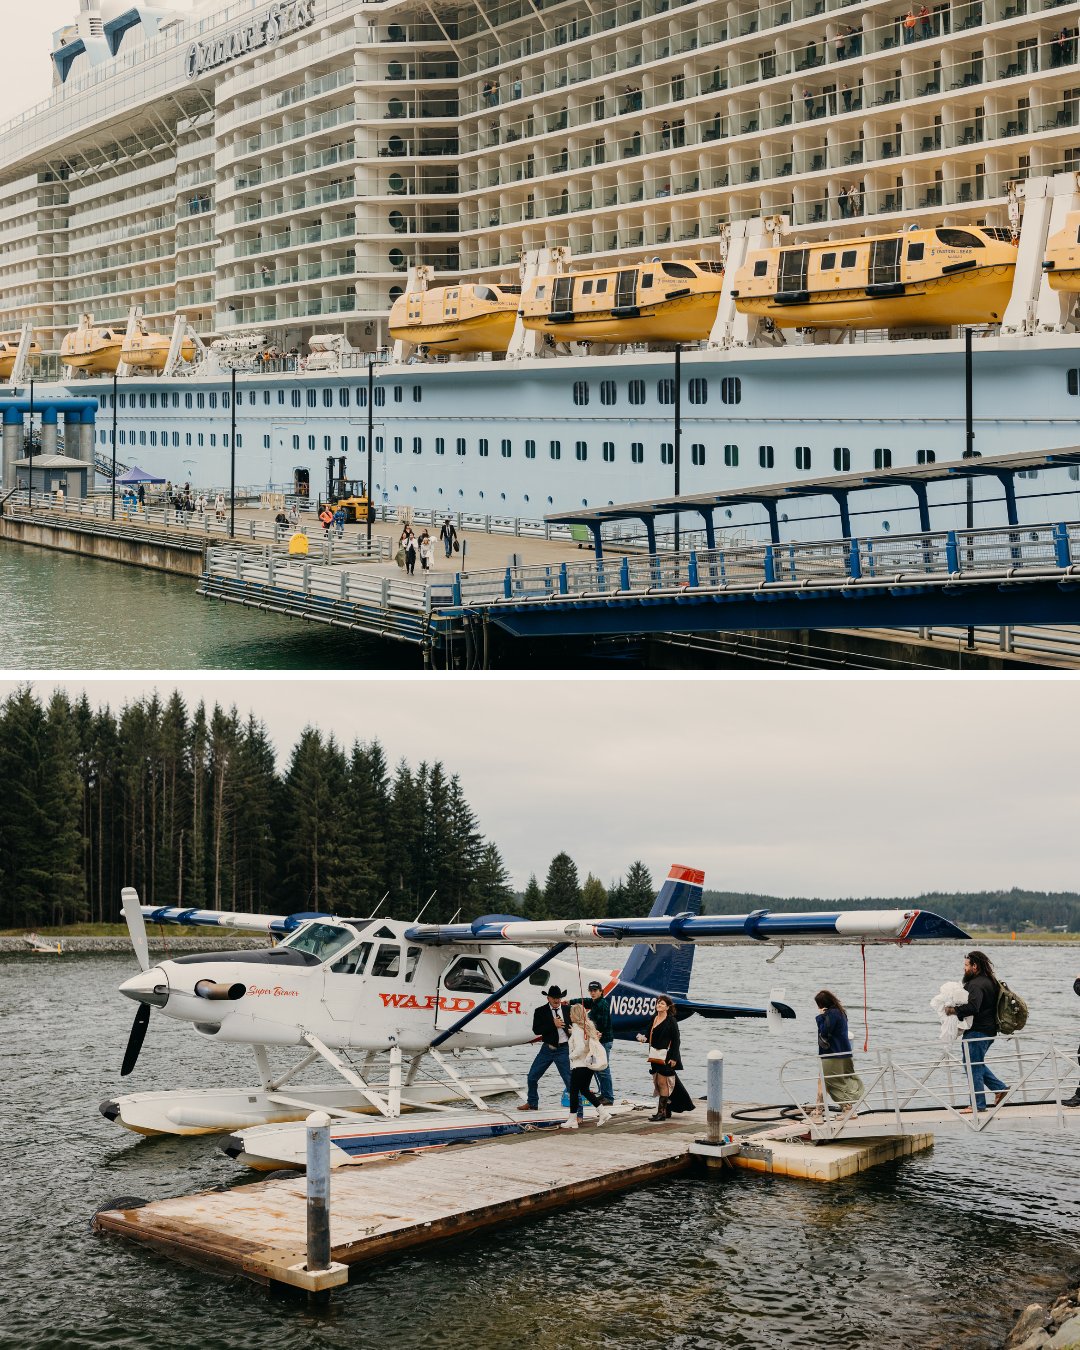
[665, 1059]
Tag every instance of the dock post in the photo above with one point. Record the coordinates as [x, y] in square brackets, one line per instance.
[318, 1191]
[715, 1101]
[1061, 546]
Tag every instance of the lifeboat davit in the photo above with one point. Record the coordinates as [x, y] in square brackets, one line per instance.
[1062, 261]
[149, 351]
[9, 350]
[931, 277]
[462, 318]
[94, 349]
[672, 301]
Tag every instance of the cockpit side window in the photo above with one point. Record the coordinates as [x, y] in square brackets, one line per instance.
[321, 940]
[412, 960]
[387, 963]
[353, 963]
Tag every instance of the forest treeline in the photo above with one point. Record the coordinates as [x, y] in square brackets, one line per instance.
[190, 808]
[1004, 910]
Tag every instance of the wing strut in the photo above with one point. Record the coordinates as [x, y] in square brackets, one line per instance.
[486, 1003]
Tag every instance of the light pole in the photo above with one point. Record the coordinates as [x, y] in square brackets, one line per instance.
[370, 430]
[969, 453]
[678, 434]
[114, 379]
[232, 456]
[30, 470]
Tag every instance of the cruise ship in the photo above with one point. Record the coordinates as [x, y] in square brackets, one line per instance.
[251, 186]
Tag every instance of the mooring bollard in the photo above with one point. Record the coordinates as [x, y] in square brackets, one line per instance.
[318, 1191]
[715, 1101]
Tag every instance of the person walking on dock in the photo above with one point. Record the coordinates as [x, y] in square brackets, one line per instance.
[983, 989]
[586, 1054]
[1074, 1100]
[551, 1023]
[838, 1074]
[599, 1010]
[408, 544]
[448, 535]
[339, 522]
[427, 552]
[665, 1060]
[219, 506]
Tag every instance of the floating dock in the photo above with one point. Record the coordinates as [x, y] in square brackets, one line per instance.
[381, 1210]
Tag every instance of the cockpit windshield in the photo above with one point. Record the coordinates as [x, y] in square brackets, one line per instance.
[320, 940]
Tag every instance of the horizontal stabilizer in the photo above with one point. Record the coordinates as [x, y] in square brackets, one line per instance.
[730, 1010]
[839, 926]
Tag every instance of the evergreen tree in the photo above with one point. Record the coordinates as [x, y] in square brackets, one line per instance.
[594, 899]
[562, 890]
[255, 807]
[364, 836]
[616, 900]
[532, 902]
[25, 829]
[405, 839]
[495, 894]
[60, 796]
[638, 891]
[312, 808]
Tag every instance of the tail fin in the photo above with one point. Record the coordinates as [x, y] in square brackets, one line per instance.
[666, 969]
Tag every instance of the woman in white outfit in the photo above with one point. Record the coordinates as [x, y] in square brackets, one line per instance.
[586, 1056]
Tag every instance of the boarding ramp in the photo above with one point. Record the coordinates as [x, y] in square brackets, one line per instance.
[928, 1088]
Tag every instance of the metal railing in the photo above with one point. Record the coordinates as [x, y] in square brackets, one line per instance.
[305, 577]
[903, 1088]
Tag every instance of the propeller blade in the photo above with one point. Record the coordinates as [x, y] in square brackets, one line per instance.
[136, 927]
[135, 1040]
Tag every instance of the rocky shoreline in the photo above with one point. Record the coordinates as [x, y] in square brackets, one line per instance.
[180, 943]
[1056, 1327]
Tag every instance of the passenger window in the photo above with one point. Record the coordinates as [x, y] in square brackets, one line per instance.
[412, 960]
[828, 262]
[387, 962]
[847, 258]
[469, 975]
[586, 288]
[540, 977]
[646, 281]
[508, 967]
[761, 267]
[959, 239]
[601, 286]
[677, 270]
[915, 252]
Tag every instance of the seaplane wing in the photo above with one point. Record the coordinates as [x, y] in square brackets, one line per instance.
[278, 924]
[839, 926]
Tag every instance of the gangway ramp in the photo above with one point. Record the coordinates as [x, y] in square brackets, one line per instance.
[921, 1089]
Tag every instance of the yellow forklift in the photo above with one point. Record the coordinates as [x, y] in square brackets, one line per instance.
[348, 493]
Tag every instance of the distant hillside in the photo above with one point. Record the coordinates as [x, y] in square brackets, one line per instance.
[1005, 910]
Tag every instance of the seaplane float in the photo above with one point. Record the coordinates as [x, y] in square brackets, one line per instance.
[409, 1015]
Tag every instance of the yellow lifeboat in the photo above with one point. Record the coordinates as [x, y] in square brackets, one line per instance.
[148, 351]
[9, 350]
[94, 349]
[936, 277]
[1062, 261]
[672, 301]
[456, 318]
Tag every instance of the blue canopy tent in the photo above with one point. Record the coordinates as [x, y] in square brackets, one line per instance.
[137, 475]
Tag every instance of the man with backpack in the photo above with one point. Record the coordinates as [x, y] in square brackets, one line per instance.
[1074, 1100]
[983, 990]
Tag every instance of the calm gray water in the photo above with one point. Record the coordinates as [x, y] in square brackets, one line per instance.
[62, 612]
[935, 1251]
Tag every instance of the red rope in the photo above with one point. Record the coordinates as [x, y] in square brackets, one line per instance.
[865, 1012]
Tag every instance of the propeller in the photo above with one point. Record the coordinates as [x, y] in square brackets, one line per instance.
[136, 1038]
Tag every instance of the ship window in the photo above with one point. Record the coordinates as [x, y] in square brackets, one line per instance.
[328, 397]
[699, 391]
[266, 396]
[636, 391]
[461, 445]
[483, 447]
[176, 439]
[506, 449]
[153, 400]
[344, 445]
[581, 450]
[586, 288]
[326, 442]
[224, 400]
[1072, 382]
[281, 397]
[296, 442]
[295, 397]
[637, 452]
[398, 445]
[530, 449]
[201, 438]
[645, 282]
[925, 456]
[731, 456]
[607, 392]
[440, 445]
[311, 442]
[882, 458]
[847, 258]
[417, 393]
[153, 438]
[200, 400]
[828, 262]
[915, 252]
[379, 445]
[213, 400]
[556, 449]
[176, 400]
[609, 452]
[266, 442]
[841, 458]
[312, 397]
[361, 444]
[187, 438]
[766, 456]
[361, 398]
[399, 393]
[677, 270]
[697, 454]
[802, 456]
[601, 286]
[667, 453]
[581, 393]
[665, 391]
[380, 396]
[417, 445]
[761, 267]
[731, 389]
[959, 239]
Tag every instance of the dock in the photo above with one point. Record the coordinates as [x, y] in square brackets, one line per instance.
[382, 1210]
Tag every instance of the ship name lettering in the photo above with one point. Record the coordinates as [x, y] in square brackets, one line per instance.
[275, 22]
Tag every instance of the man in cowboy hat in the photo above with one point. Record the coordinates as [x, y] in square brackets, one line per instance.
[551, 1023]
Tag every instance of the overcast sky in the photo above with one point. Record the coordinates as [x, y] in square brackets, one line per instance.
[821, 788]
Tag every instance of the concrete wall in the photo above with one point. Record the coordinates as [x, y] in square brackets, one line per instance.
[158, 557]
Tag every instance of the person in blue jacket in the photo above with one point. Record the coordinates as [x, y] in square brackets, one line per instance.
[838, 1074]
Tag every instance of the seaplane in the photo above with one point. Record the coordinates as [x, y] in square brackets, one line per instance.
[409, 1016]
